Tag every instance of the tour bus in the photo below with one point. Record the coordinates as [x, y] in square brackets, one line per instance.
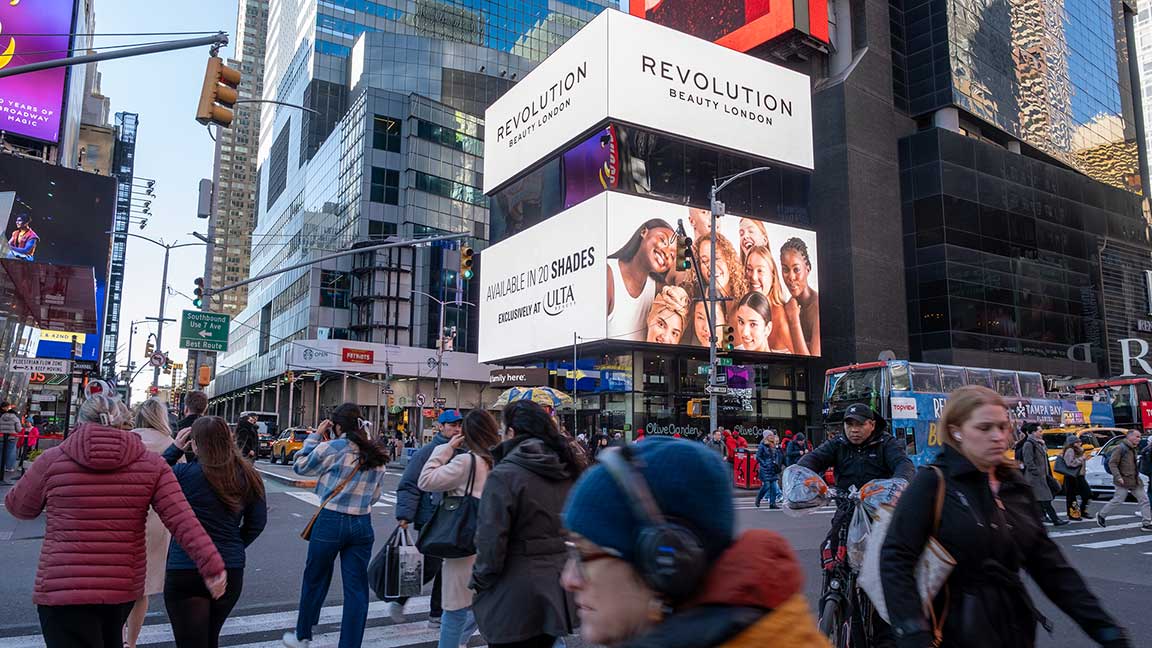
[911, 396]
[1131, 400]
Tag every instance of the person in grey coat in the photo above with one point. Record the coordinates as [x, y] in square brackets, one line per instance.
[520, 541]
[1034, 457]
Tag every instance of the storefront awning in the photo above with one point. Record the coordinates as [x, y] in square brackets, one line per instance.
[55, 297]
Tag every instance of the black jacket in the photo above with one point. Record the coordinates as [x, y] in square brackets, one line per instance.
[413, 504]
[247, 437]
[520, 545]
[988, 605]
[880, 457]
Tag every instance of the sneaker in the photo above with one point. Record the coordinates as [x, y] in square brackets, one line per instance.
[433, 623]
[289, 639]
[1060, 523]
[757, 504]
[396, 611]
[1100, 520]
[1147, 526]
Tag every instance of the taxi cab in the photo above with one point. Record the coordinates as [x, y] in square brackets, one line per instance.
[290, 441]
[1092, 439]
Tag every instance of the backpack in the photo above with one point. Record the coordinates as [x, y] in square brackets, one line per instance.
[1106, 458]
[1145, 467]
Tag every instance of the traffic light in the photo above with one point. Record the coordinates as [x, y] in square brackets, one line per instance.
[290, 376]
[149, 348]
[698, 408]
[726, 338]
[198, 301]
[219, 94]
[466, 262]
[683, 253]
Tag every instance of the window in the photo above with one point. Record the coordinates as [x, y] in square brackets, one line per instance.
[385, 186]
[449, 137]
[278, 165]
[386, 134]
[380, 229]
[1031, 385]
[450, 189]
[334, 289]
[925, 378]
[951, 378]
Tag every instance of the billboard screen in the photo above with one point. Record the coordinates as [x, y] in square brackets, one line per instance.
[738, 24]
[591, 167]
[58, 216]
[604, 270]
[31, 32]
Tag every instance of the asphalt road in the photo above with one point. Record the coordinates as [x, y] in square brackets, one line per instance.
[1117, 563]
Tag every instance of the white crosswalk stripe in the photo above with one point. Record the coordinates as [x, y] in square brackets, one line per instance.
[386, 500]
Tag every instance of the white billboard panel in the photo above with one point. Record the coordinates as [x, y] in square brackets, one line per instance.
[604, 270]
[632, 70]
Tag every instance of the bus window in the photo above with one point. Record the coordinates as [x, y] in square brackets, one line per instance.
[1031, 384]
[1004, 382]
[1142, 392]
[982, 377]
[858, 386]
[830, 382]
[951, 378]
[909, 434]
[901, 381]
[925, 378]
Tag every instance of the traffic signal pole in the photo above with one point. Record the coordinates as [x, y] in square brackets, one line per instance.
[218, 40]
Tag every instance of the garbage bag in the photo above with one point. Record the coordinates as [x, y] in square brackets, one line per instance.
[881, 492]
[803, 489]
[858, 531]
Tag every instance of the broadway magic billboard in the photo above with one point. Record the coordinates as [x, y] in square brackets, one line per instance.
[30, 32]
[604, 270]
[624, 68]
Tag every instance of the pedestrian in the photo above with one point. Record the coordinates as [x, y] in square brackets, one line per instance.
[460, 474]
[715, 442]
[990, 524]
[1033, 456]
[96, 488]
[195, 404]
[519, 541]
[730, 446]
[248, 437]
[1122, 465]
[152, 428]
[350, 476]
[227, 495]
[771, 463]
[654, 560]
[29, 438]
[1076, 484]
[415, 507]
[9, 429]
[796, 449]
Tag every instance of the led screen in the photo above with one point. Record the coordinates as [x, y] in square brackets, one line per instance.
[30, 32]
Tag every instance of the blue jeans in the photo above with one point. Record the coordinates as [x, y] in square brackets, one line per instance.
[350, 537]
[769, 488]
[10, 458]
[456, 627]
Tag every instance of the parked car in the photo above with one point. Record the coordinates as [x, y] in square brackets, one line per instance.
[291, 440]
[1099, 479]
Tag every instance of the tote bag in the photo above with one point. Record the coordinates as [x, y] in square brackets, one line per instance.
[398, 569]
[452, 531]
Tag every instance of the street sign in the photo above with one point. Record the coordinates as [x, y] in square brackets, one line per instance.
[157, 359]
[715, 389]
[723, 362]
[39, 365]
[703, 370]
[200, 331]
[439, 402]
[420, 400]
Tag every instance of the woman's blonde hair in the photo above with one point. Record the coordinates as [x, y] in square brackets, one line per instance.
[105, 410]
[962, 403]
[152, 413]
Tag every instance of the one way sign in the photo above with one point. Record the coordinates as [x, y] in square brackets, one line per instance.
[200, 331]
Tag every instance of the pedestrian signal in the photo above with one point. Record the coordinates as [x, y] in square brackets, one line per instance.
[467, 260]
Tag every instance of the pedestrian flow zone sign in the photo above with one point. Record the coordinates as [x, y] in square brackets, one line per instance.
[200, 331]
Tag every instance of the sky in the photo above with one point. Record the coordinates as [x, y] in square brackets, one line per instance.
[171, 148]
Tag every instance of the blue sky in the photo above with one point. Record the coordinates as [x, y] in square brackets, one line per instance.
[171, 147]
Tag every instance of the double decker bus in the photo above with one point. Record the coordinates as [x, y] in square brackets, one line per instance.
[1131, 400]
[911, 396]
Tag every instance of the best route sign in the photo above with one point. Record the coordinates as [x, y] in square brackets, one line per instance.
[200, 331]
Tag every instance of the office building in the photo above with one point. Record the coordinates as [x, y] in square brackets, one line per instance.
[394, 148]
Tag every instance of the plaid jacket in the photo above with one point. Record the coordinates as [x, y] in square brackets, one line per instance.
[333, 461]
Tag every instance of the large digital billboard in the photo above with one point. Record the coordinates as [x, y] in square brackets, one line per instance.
[738, 24]
[58, 216]
[604, 270]
[31, 32]
[630, 70]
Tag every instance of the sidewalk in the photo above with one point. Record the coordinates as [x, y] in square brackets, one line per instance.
[13, 529]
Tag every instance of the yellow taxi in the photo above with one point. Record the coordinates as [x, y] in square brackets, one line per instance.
[290, 441]
[1092, 438]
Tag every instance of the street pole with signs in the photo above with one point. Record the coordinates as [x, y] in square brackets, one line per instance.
[441, 337]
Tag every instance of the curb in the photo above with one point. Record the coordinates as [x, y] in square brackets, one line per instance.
[286, 480]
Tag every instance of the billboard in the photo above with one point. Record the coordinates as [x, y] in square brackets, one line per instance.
[739, 24]
[623, 68]
[58, 216]
[603, 270]
[31, 32]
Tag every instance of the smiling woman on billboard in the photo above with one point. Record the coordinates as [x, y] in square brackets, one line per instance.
[633, 273]
[669, 316]
[803, 309]
[760, 271]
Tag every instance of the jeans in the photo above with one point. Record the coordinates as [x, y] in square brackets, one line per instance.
[196, 617]
[1122, 495]
[350, 537]
[770, 488]
[83, 626]
[456, 627]
[10, 454]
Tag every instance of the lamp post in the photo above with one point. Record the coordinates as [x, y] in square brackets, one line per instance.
[717, 209]
[440, 340]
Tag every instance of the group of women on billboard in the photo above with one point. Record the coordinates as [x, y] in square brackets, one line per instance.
[765, 275]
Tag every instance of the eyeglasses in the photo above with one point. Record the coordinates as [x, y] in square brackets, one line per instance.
[577, 558]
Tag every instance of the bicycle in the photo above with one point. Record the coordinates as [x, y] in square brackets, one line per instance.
[846, 613]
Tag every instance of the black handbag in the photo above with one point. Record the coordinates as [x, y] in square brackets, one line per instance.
[451, 533]
[1062, 467]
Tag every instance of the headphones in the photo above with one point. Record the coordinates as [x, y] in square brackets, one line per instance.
[670, 557]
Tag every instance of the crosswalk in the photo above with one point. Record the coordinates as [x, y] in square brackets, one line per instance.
[387, 500]
[1123, 530]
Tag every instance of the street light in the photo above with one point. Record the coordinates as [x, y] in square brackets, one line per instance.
[439, 346]
[168, 247]
[717, 209]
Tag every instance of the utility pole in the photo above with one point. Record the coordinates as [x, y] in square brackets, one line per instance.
[440, 341]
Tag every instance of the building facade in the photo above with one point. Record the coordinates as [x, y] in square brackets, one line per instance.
[394, 148]
[123, 169]
[233, 214]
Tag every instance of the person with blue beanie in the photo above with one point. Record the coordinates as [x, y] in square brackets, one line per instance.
[654, 559]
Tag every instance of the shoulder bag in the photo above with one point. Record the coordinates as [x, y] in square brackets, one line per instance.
[1062, 467]
[932, 570]
[306, 534]
[451, 533]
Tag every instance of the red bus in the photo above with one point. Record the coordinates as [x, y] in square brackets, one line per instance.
[1131, 399]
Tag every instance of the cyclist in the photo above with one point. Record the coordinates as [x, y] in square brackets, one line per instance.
[866, 451]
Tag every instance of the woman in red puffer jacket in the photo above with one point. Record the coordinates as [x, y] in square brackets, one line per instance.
[97, 488]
